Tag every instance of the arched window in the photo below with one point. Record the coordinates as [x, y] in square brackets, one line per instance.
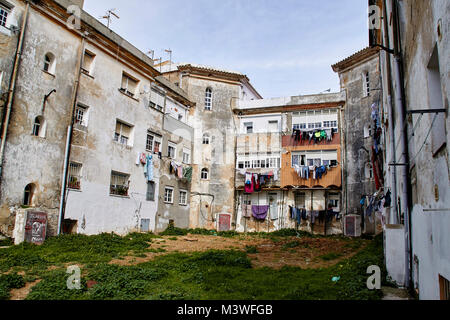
[205, 174]
[39, 127]
[49, 63]
[206, 138]
[28, 195]
[208, 99]
[369, 171]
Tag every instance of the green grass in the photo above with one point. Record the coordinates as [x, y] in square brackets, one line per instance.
[216, 275]
[6, 242]
[9, 282]
[73, 248]
[330, 256]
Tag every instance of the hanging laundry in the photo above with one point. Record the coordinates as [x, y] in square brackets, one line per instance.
[180, 172]
[187, 173]
[273, 211]
[138, 158]
[149, 168]
[256, 182]
[387, 200]
[249, 187]
[143, 158]
[260, 212]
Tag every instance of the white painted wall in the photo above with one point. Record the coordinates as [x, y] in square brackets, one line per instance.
[260, 123]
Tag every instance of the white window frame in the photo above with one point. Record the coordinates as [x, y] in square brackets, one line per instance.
[247, 126]
[168, 195]
[204, 171]
[186, 156]
[81, 115]
[49, 66]
[119, 136]
[75, 172]
[4, 17]
[156, 139]
[185, 198]
[208, 99]
[173, 146]
[125, 85]
[115, 178]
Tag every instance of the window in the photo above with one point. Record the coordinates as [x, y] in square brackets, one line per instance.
[299, 126]
[39, 127]
[129, 85]
[3, 16]
[367, 131]
[248, 127]
[120, 184]
[256, 164]
[183, 197]
[208, 99]
[369, 171]
[318, 125]
[273, 126]
[88, 62]
[172, 150]
[81, 115]
[150, 191]
[330, 124]
[168, 195]
[123, 133]
[366, 84]
[186, 156]
[49, 63]
[247, 164]
[28, 194]
[205, 174]
[153, 143]
[206, 138]
[74, 176]
[311, 125]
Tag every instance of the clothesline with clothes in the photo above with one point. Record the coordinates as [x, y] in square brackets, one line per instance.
[254, 182]
[313, 135]
[377, 153]
[301, 214]
[180, 171]
[316, 172]
[376, 203]
[259, 212]
[147, 161]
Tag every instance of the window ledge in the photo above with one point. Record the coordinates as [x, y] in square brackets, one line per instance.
[74, 190]
[50, 74]
[171, 203]
[120, 197]
[127, 95]
[124, 146]
[86, 73]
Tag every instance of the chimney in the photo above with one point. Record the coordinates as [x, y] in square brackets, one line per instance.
[78, 3]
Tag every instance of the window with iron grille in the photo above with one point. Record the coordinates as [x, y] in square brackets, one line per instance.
[183, 197]
[153, 143]
[168, 195]
[3, 16]
[120, 184]
[74, 176]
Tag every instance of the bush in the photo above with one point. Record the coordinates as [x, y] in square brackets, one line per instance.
[9, 282]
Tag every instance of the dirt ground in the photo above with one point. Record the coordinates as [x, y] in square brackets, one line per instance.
[296, 252]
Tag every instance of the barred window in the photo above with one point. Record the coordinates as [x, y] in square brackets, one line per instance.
[150, 191]
[120, 183]
[208, 99]
[74, 176]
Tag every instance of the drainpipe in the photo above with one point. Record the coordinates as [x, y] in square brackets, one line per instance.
[62, 205]
[12, 86]
[404, 159]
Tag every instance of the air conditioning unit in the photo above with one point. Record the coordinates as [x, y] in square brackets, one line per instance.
[352, 226]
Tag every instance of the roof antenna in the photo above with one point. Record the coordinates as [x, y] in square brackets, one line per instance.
[108, 15]
[170, 58]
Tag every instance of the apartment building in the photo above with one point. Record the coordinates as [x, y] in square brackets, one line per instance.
[293, 145]
[414, 60]
[215, 127]
[91, 130]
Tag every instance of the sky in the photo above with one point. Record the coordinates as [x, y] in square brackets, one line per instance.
[285, 47]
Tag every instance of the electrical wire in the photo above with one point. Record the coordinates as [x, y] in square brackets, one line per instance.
[426, 139]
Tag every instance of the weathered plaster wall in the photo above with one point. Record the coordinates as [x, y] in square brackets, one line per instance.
[357, 120]
[39, 160]
[218, 157]
[94, 208]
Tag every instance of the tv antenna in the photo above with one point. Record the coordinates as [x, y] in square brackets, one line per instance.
[170, 57]
[151, 53]
[109, 14]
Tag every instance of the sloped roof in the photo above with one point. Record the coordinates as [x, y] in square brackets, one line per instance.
[355, 58]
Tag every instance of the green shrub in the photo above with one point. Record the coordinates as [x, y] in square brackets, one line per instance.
[9, 282]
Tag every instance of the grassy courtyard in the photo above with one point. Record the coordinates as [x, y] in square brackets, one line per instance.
[194, 265]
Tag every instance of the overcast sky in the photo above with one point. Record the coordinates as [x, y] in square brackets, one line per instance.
[286, 47]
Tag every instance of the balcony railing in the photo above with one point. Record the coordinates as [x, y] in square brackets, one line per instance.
[332, 179]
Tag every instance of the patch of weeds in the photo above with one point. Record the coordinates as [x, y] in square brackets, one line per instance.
[251, 249]
[159, 250]
[291, 245]
[330, 256]
[173, 239]
[6, 242]
[173, 231]
[354, 245]
[9, 282]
